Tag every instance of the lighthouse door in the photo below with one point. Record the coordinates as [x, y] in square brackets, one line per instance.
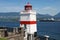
[25, 26]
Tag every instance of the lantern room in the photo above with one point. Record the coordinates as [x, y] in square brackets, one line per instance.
[28, 6]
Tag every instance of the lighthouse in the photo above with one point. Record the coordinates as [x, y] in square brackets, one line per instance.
[28, 20]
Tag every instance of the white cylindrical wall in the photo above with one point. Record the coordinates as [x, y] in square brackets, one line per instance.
[31, 28]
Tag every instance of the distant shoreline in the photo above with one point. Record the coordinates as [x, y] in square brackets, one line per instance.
[48, 21]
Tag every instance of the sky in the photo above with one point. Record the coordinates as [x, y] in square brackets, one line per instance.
[51, 7]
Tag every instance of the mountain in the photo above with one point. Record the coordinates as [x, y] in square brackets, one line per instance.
[57, 15]
[9, 14]
[43, 15]
[38, 15]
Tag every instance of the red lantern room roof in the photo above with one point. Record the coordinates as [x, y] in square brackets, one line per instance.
[28, 6]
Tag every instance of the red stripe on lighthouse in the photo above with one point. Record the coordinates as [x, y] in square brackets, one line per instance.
[27, 22]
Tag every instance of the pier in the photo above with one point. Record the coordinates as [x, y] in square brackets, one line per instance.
[19, 34]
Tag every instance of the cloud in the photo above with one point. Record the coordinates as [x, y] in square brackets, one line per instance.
[10, 9]
[48, 10]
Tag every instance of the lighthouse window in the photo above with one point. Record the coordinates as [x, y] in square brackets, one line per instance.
[26, 8]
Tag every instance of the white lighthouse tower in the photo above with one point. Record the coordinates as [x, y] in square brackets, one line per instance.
[28, 19]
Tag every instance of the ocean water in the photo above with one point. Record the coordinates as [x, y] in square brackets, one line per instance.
[9, 24]
[51, 29]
